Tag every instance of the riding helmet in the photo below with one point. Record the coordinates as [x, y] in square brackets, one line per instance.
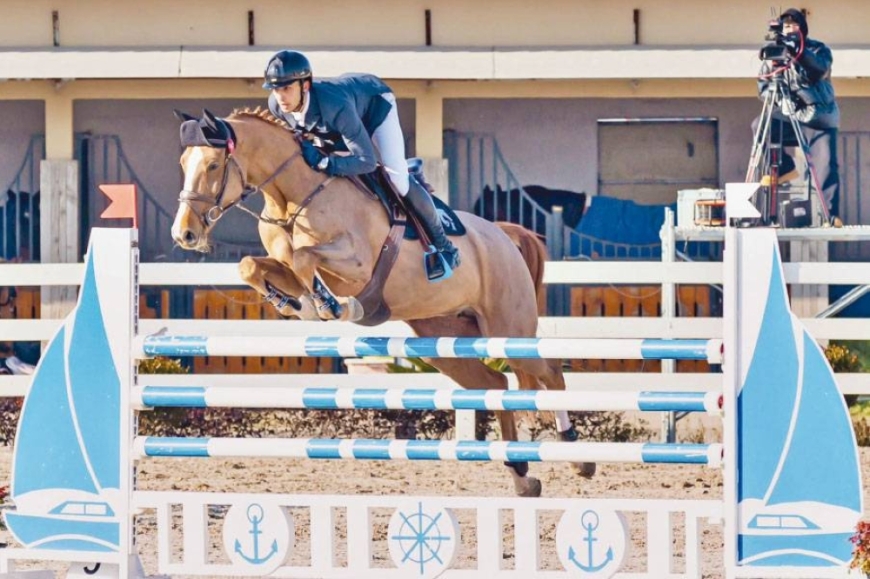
[286, 67]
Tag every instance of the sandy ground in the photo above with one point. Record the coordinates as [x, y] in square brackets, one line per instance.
[419, 478]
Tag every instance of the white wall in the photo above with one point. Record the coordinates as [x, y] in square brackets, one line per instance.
[478, 23]
[553, 142]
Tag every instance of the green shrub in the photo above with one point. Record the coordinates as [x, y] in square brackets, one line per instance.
[160, 365]
[843, 359]
[10, 411]
[862, 431]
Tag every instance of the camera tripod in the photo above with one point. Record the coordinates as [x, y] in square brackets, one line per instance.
[766, 155]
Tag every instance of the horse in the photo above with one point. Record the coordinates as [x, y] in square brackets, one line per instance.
[325, 231]
[19, 226]
[511, 205]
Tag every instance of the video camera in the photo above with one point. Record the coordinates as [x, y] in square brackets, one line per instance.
[774, 30]
[775, 50]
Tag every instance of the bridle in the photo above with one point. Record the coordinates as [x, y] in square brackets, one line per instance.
[211, 215]
[217, 210]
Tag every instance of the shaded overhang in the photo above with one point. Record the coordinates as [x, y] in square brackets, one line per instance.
[524, 63]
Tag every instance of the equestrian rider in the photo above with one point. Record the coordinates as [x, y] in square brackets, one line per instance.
[355, 114]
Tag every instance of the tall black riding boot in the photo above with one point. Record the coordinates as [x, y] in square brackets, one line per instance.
[420, 202]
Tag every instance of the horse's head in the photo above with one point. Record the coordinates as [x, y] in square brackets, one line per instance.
[214, 180]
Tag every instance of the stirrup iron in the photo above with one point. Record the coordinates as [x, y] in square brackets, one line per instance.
[436, 265]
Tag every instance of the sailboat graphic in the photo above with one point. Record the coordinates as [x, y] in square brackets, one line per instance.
[799, 486]
[65, 469]
[799, 489]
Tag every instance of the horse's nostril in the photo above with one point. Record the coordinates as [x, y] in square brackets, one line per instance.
[188, 237]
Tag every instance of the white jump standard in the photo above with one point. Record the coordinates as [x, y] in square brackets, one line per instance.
[787, 439]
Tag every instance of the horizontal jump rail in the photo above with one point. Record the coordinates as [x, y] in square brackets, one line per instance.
[372, 449]
[508, 348]
[421, 399]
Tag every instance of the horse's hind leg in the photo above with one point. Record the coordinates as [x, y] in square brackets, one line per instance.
[474, 374]
[532, 374]
[536, 374]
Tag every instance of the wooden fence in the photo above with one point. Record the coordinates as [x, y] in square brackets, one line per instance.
[632, 302]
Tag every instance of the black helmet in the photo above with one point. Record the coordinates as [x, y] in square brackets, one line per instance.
[286, 67]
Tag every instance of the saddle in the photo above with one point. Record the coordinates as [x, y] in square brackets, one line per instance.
[379, 185]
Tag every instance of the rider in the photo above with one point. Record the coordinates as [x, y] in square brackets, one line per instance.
[355, 114]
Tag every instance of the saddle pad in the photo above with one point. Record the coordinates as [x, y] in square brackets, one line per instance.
[376, 182]
[452, 225]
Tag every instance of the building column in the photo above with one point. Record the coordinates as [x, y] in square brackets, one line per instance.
[59, 202]
[59, 127]
[430, 140]
[808, 300]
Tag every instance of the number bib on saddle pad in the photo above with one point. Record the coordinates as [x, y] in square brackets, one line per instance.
[452, 225]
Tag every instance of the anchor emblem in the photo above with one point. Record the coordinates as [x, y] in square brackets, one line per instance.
[589, 521]
[255, 517]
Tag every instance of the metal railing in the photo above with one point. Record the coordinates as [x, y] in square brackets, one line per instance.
[104, 161]
[19, 207]
[481, 182]
[854, 159]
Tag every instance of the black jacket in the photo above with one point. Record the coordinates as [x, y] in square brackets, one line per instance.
[809, 82]
[343, 113]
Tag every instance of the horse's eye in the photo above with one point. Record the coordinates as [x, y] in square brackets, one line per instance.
[213, 166]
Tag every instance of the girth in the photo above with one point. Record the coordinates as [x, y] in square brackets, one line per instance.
[371, 298]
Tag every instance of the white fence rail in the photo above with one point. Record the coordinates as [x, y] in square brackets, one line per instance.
[615, 273]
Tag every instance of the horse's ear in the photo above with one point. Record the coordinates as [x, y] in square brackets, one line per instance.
[211, 120]
[183, 116]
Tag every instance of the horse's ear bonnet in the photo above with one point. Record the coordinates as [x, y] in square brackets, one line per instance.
[209, 131]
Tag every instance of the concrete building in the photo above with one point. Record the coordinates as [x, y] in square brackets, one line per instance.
[551, 81]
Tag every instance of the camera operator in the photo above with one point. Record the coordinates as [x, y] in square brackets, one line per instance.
[807, 74]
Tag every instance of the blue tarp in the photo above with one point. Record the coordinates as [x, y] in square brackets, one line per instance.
[623, 221]
[619, 221]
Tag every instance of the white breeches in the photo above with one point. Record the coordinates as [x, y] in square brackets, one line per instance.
[390, 145]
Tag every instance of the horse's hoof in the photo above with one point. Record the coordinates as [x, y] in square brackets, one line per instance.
[354, 310]
[585, 469]
[533, 489]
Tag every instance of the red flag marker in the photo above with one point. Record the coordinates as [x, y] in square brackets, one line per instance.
[122, 202]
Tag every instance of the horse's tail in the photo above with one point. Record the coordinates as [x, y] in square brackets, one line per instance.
[534, 253]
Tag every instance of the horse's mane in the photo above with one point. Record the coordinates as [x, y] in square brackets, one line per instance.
[258, 113]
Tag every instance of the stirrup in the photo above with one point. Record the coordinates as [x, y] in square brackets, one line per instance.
[436, 265]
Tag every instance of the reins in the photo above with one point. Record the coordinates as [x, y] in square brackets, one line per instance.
[217, 210]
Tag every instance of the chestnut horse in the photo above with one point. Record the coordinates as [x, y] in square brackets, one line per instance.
[324, 230]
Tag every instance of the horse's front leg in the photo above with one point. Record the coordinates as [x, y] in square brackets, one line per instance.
[306, 261]
[279, 286]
